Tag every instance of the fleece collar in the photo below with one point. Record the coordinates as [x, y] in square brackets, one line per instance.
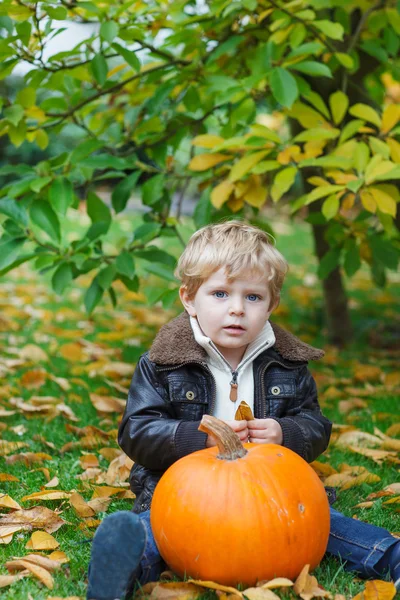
[263, 341]
[175, 344]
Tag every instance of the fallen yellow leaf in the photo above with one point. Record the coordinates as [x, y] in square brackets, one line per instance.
[41, 540]
[244, 412]
[377, 590]
[7, 502]
[39, 572]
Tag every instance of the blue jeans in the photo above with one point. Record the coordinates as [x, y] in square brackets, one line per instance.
[360, 544]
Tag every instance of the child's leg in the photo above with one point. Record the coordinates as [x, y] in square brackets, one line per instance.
[123, 552]
[369, 550]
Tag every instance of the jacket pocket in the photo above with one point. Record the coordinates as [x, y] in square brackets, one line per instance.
[280, 396]
[188, 398]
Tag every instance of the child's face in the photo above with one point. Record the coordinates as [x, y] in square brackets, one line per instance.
[231, 313]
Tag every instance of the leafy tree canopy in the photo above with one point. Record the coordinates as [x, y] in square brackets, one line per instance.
[239, 100]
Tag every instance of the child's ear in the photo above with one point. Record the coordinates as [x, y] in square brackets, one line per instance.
[187, 301]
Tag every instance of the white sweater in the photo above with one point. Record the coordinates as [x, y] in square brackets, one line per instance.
[222, 371]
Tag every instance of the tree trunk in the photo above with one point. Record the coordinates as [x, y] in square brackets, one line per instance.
[336, 305]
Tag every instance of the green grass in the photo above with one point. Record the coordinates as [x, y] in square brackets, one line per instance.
[303, 317]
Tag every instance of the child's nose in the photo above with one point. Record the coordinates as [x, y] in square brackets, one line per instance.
[237, 307]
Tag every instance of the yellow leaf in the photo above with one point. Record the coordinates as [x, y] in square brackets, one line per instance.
[322, 469]
[202, 162]
[339, 103]
[384, 198]
[317, 181]
[330, 207]
[59, 557]
[394, 149]
[377, 590]
[47, 495]
[6, 580]
[235, 204]
[307, 116]
[80, 506]
[215, 586]
[7, 502]
[288, 154]
[244, 412]
[359, 480]
[207, 141]
[390, 117]
[260, 593]
[377, 167]
[245, 164]
[368, 201]
[39, 572]
[255, 194]
[40, 540]
[221, 193]
[277, 583]
[363, 111]
[283, 182]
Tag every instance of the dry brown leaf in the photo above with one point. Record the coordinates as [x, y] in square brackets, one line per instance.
[367, 373]
[181, 590]
[115, 370]
[34, 379]
[89, 523]
[59, 557]
[393, 429]
[260, 593]
[395, 500]
[100, 504]
[367, 504]
[107, 404]
[377, 590]
[358, 438]
[393, 488]
[345, 406]
[39, 572]
[79, 505]
[110, 453]
[215, 586]
[277, 583]
[105, 491]
[73, 352]
[7, 502]
[47, 495]
[323, 469]
[88, 460]
[7, 477]
[338, 479]
[377, 456]
[7, 447]
[244, 412]
[52, 483]
[119, 470]
[38, 517]
[41, 540]
[33, 353]
[359, 480]
[28, 458]
[6, 413]
[42, 561]
[90, 474]
[392, 379]
[301, 581]
[6, 580]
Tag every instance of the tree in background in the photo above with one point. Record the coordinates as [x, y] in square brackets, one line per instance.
[175, 98]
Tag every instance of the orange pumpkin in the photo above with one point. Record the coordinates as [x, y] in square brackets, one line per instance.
[240, 513]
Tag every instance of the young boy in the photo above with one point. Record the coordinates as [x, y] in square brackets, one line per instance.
[221, 350]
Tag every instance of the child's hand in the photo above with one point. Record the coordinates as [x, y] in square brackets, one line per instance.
[240, 427]
[265, 431]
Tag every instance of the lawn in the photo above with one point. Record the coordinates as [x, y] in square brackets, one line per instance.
[58, 365]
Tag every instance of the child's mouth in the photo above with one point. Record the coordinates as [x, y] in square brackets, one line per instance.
[235, 328]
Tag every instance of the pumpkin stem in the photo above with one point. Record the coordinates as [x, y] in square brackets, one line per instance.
[228, 442]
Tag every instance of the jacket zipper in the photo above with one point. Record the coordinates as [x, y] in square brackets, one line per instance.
[263, 395]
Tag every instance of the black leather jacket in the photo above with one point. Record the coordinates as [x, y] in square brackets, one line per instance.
[167, 400]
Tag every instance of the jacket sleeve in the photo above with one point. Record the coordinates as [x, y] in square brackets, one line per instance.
[149, 434]
[305, 430]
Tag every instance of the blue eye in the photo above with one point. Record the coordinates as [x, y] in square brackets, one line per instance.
[219, 294]
[253, 297]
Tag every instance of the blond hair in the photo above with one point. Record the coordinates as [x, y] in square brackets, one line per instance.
[238, 247]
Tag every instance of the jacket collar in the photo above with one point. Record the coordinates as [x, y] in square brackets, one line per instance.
[175, 344]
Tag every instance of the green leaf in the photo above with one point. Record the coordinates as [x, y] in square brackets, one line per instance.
[317, 133]
[113, 297]
[129, 56]
[105, 277]
[202, 211]
[363, 111]
[384, 251]
[283, 86]
[328, 162]
[109, 31]
[318, 103]
[62, 277]
[161, 271]
[61, 195]
[310, 67]
[58, 13]
[93, 296]
[307, 48]
[27, 97]
[349, 130]
[125, 265]
[39, 183]
[104, 161]
[122, 192]
[361, 157]
[84, 149]
[352, 260]
[345, 60]
[332, 30]
[14, 210]
[99, 68]
[9, 251]
[339, 102]
[13, 114]
[97, 210]
[46, 219]
[330, 207]
[328, 263]
[147, 232]
[283, 182]
[322, 191]
[154, 254]
[245, 164]
[152, 190]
